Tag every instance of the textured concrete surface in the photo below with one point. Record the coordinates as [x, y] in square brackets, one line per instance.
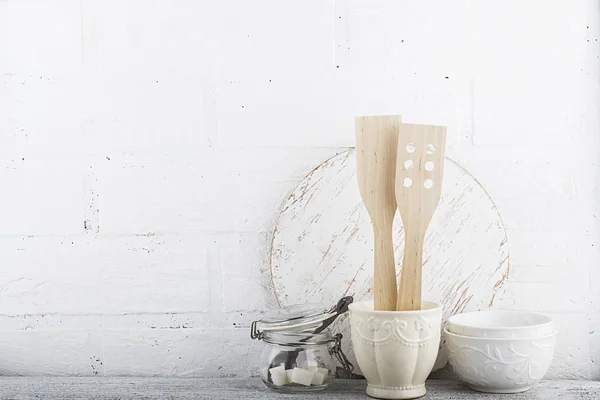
[216, 389]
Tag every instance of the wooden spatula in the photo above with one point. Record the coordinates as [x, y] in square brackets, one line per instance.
[376, 146]
[419, 175]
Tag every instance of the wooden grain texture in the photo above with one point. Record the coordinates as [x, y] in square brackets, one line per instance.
[419, 176]
[323, 244]
[25, 388]
[376, 146]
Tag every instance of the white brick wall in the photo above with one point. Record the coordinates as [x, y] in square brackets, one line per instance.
[146, 146]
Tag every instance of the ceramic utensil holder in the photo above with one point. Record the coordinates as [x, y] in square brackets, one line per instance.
[395, 350]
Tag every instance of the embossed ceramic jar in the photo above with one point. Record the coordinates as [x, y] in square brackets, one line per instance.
[396, 350]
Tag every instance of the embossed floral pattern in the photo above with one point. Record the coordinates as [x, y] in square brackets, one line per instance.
[420, 324]
[502, 365]
[401, 324]
[373, 324]
[412, 333]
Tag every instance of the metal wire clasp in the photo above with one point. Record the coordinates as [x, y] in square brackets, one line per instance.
[337, 351]
[254, 332]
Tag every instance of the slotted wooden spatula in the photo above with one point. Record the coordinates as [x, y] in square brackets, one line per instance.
[376, 146]
[419, 175]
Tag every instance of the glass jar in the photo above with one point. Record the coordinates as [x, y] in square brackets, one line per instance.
[297, 362]
[299, 349]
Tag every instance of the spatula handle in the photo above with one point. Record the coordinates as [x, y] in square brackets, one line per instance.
[385, 271]
[409, 292]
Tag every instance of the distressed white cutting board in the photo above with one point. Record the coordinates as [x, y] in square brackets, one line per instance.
[323, 244]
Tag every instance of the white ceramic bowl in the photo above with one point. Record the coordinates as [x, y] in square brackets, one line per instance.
[500, 365]
[501, 324]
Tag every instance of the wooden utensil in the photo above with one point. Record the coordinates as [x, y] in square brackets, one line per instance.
[419, 174]
[376, 146]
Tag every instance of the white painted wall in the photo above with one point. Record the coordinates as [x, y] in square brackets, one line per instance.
[145, 147]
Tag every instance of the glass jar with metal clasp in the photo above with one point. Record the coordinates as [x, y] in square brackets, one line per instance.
[299, 346]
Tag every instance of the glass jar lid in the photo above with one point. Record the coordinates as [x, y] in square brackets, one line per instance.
[295, 318]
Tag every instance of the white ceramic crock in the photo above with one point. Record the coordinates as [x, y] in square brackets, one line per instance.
[395, 350]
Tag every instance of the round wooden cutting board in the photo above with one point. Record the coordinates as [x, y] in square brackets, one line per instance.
[323, 244]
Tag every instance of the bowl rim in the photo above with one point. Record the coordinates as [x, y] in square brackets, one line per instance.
[549, 320]
[498, 339]
[432, 308]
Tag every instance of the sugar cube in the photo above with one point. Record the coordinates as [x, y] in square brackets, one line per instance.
[319, 377]
[302, 376]
[279, 376]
